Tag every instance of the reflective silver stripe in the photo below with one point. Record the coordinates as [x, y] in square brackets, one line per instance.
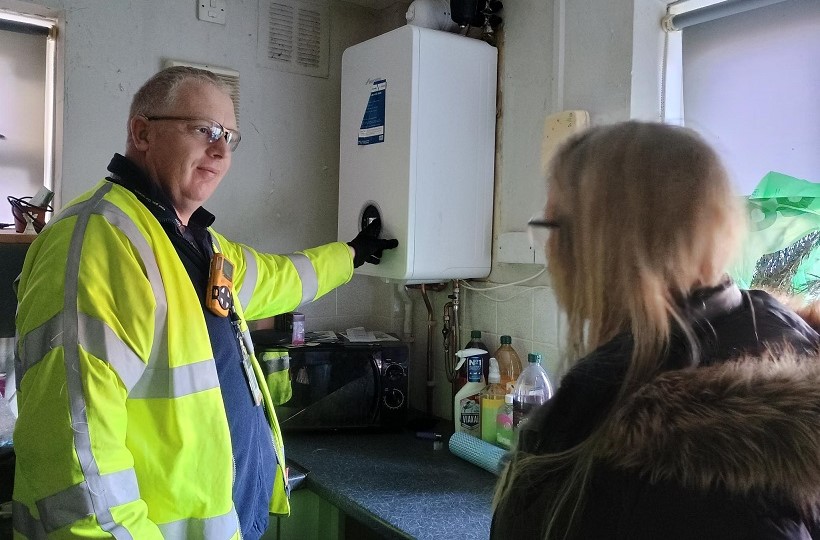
[307, 275]
[162, 382]
[67, 212]
[159, 347]
[37, 343]
[221, 527]
[115, 216]
[251, 277]
[275, 361]
[159, 380]
[95, 336]
[99, 339]
[24, 523]
[99, 498]
[72, 504]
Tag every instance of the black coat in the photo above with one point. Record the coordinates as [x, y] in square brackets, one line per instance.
[723, 443]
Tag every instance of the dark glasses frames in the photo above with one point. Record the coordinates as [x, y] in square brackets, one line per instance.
[543, 223]
[538, 230]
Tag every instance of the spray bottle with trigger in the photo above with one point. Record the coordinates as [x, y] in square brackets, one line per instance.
[467, 402]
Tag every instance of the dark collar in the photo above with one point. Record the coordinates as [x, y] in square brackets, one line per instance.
[708, 303]
[128, 174]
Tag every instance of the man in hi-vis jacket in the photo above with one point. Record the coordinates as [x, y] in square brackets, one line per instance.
[143, 412]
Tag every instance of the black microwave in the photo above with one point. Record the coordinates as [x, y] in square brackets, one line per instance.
[343, 385]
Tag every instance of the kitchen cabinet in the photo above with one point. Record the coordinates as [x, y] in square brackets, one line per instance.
[311, 518]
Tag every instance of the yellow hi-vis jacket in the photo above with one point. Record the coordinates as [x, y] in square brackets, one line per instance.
[122, 430]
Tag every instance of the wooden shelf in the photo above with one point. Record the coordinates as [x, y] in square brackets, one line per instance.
[9, 236]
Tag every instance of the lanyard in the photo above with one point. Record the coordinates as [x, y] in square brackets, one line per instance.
[247, 368]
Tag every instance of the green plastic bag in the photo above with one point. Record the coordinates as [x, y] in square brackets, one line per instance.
[782, 250]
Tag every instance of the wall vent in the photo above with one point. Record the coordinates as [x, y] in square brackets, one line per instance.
[228, 76]
[294, 36]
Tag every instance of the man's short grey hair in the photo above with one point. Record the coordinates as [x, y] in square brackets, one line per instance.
[159, 93]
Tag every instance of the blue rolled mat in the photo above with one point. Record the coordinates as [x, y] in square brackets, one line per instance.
[487, 456]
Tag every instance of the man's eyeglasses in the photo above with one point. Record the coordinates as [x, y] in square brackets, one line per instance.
[209, 130]
[538, 230]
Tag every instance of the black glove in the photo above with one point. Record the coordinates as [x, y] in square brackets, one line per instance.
[368, 246]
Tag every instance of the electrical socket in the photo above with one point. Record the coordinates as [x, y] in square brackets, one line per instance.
[211, 10]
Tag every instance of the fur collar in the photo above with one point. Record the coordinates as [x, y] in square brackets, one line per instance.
[750, 426]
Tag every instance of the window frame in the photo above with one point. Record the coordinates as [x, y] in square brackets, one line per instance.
[672, 63]
[672, 70]
[53, 20]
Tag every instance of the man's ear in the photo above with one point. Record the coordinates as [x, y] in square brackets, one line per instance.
[138, 130]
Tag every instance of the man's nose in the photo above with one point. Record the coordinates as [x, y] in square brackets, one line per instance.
[219, 147]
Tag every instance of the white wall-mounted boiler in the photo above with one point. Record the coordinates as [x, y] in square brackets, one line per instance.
[417, 145]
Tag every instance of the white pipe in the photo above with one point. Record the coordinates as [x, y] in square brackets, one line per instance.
[407, 315]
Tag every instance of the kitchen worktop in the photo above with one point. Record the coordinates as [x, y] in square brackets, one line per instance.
[393, 483]
[396, 484]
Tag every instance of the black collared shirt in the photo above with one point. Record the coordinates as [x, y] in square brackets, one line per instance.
[254, 457]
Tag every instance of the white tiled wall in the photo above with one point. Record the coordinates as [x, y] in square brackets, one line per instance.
[528, 314]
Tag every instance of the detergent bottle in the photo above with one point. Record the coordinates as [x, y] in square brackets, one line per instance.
[492, 398]
[467, 401]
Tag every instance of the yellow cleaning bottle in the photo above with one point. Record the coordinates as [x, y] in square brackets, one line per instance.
[492, 399]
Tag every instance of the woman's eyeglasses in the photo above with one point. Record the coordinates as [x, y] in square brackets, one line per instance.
[543, 223]
[209, 130]
[538, 230]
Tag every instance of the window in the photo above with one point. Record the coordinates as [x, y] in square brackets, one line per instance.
[28, 112]
[747, 81]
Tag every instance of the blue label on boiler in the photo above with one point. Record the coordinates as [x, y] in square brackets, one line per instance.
[372, 128]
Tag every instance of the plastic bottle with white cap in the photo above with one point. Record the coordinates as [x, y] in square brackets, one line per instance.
[492, 398]
[532, 389]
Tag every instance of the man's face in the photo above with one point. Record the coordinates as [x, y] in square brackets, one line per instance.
[179, 157]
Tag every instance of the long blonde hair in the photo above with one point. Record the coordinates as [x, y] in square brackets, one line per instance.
[645, 215]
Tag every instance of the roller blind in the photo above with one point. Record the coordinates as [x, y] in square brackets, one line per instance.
[23, 28]
[714, 11]
[750, 86]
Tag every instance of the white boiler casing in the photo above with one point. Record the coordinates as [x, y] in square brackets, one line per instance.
[417, 141]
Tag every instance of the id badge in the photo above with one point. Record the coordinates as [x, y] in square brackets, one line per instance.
[250, 376]
[247, 368]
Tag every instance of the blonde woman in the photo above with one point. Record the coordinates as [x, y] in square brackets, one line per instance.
[694, 410]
